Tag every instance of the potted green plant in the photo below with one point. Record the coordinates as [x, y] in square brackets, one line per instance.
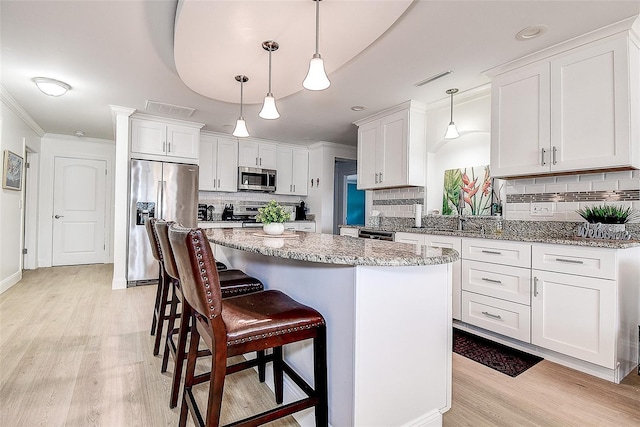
[615, 217]
[272, 216]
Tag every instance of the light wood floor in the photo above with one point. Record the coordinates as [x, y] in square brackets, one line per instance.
[75, 353]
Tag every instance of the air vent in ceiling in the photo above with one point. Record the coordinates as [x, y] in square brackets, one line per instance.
[432, 78]
[169, 109]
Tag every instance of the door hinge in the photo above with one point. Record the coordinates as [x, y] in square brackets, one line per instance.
[27, 165]
[24, 251]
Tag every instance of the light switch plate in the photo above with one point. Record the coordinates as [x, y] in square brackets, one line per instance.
[541, 209]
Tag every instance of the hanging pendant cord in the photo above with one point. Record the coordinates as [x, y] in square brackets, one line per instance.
[241, 94]
[451, 108]
[317, 24]
[270, 71]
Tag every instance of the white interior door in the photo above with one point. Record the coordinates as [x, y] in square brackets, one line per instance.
[79, 211]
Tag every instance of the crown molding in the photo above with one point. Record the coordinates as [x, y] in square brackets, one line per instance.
[14, 106]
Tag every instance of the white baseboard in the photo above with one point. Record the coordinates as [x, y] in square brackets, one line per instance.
[432, 419]
[7, 283]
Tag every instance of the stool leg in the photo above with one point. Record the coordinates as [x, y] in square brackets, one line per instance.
[161, 313]
[261, 365]
[173, 313]
[320, 376]
[190, 373]
[156, 306]
[181, 353]
[278, 379]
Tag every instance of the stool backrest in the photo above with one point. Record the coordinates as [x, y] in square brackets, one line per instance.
[153, 238]
[162, 231]
[197, 270]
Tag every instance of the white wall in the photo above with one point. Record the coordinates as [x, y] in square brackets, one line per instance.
[81, 148]
[16, 134]
[473, 120]
[322, 157]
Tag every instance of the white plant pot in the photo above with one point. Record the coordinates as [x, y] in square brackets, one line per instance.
[274, 229]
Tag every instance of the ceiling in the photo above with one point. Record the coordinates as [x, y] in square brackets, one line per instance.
[123, 53]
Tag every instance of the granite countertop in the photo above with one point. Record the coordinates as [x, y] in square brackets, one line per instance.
[221, 221]
[520, 237]
[331, 249]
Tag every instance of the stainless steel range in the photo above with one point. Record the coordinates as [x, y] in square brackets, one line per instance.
[245, 214]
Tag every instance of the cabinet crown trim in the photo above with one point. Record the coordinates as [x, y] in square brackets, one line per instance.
[628, 27]
[167, 120]
[412, 105]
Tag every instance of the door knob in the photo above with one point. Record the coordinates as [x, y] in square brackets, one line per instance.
[59, 216]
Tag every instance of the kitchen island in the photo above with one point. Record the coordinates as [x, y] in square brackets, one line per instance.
[388, 312]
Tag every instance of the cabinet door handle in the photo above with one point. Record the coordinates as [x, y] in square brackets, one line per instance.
[493, 316]
[376, 175]
[260, 161]
[571, 261]
[542, 162]
[168, 147]
[491, 252]
[214, 183]
[555, 153]
[256, 161]
[218, 183]
[380, 176]
[290, 188]
[535, 286]
[486, 279]
[294, 188]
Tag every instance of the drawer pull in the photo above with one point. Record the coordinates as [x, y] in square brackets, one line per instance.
[486, 279]
[493, 316]
[571, 261]
[491, 252]
[535, 286]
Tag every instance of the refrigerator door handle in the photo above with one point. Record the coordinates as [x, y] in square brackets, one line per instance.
[159, 189]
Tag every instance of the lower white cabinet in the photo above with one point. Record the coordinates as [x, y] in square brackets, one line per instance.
[309, 227]
[220, 224]
[504, 317]
[348, 231]
[575, 315]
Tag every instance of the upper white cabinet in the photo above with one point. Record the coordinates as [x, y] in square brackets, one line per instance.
[573, 111]
[156, 138]
[256, 154]
[218, 163]
[392, 147]
[292, 165]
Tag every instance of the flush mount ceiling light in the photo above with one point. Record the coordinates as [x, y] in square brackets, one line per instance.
[531, 32]
[51, 87]
[316, 76]
[358, 108]
[269, 110]
[241, 127]
[452, 131]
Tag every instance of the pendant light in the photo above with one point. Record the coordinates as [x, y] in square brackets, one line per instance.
[269, 110]
[452, 131]
[316, 76]
[241, 127]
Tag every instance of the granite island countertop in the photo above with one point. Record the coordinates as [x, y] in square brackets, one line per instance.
[331, 249]
[531, 237]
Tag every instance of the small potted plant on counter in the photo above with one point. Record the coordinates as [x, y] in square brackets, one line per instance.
[606, 221]
[273, 216]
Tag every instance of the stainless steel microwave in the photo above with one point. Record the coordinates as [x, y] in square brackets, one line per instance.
[256, 179]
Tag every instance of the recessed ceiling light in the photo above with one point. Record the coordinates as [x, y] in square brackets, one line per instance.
[51, 87]
[531, 32]
[358, 108]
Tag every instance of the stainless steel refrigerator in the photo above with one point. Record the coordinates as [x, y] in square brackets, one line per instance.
[162, 190]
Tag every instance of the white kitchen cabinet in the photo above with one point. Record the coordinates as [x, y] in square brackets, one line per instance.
[497, 251]
[575, 315]
[218, 164]
[410, 238]
[348, 231]
[164, 139]
[451, 242]
[497, 315]
[308, 227]
[571, 112]
[392, 147]
[256, 154]
[292, 165]
[220, 224]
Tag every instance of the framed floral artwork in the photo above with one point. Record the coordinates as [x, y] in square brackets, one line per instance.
[467, 191]
[12, 171]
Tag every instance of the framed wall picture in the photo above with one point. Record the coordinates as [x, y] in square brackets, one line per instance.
[12, 171]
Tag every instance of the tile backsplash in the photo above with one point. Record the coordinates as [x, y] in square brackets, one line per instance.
[220, 199]
[565, 194]
[398, 202]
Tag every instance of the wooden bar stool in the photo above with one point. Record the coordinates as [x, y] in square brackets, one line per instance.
[232, 283]
[162, 293]
[233, 326]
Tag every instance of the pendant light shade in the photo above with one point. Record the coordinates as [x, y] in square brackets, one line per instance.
[269, 110]
[452, 131]
[241, 126]
[316, 76]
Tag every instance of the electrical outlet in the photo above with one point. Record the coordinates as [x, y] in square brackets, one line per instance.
[541, 209]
